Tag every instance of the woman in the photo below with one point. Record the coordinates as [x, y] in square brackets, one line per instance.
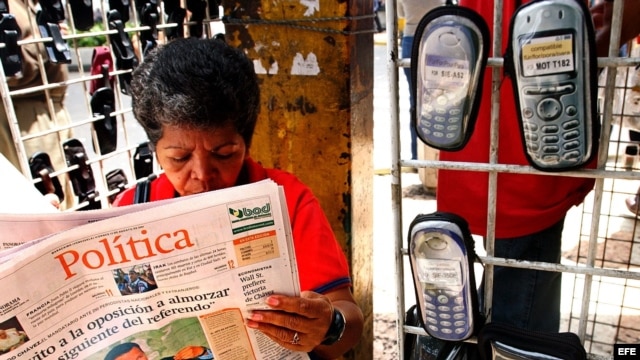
[198, 102]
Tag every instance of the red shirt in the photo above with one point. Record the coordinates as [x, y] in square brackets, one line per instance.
[322, 265]
[525, 203]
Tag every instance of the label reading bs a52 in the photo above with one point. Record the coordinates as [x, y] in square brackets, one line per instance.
[443, 70]
[548, 55]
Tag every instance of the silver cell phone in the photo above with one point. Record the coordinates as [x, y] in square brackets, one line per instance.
[440, 267]
[448, 60]
[503, 351]
[553, 55]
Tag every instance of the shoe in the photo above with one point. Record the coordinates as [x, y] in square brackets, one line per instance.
[40, 165]
[82, 180]
[632, 203]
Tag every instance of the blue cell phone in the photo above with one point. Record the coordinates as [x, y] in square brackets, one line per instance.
[442, 267]
[448, 58]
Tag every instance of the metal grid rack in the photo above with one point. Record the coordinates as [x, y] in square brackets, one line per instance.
[601, 274]
[130, 136]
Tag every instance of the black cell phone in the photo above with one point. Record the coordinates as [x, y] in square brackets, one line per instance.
[552, 59]
[448, 58]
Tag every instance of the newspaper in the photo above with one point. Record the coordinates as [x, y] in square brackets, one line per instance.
[28, 227]
[18, 194]
[170, 276]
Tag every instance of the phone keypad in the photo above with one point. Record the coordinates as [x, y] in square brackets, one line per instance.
[446, 314]
[553, 143]
[552, 132]
[440, 120]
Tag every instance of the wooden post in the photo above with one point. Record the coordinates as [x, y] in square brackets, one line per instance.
[315, 64]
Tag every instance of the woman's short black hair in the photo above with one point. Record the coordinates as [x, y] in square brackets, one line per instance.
[196, 84]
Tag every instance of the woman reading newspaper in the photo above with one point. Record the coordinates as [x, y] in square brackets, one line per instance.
[198, 101]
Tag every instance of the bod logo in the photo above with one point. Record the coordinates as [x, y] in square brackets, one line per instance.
[256, 212]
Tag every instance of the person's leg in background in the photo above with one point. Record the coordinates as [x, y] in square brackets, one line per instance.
[377, 7]
[428, 176]
[633, 201]
[528, 299]
[406, 44]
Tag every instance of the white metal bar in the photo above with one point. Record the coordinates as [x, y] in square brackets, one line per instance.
[519, 169]
[602, 62]
[496, 79]
[396, 171]
[614, 46]
[573, 269]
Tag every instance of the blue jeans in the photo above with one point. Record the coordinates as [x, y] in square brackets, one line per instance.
[406, 44]
[528, 299]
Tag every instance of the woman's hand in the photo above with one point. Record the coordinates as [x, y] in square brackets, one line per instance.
[299, 324]
[309, 317]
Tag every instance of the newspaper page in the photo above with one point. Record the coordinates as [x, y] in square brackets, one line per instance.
[175, 280]
[18, 193]
[25, 227]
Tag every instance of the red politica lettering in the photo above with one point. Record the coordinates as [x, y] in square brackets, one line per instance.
[118, 251]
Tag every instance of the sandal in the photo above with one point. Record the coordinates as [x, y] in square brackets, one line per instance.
[41, 167]
[84, 185]
[632, 203]
[103, 104]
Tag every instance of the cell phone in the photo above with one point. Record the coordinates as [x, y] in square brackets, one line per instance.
[442, 272]
[425, 347]
[553, 55]
[502, 351]
[448, 58]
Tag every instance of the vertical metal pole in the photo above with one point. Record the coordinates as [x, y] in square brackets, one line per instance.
[603, 151]
[493, 156]
[396, 171]
[13, 124]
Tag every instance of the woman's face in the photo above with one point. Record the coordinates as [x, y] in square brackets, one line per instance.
[196, 161]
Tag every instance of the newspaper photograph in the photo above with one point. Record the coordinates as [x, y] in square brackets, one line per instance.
[171, 281]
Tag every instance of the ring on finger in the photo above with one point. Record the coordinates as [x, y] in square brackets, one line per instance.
[296, 339]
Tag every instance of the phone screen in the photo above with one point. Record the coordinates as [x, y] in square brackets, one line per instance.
[446, 73]
[440, 273]
[438, 263]
[547, 54]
